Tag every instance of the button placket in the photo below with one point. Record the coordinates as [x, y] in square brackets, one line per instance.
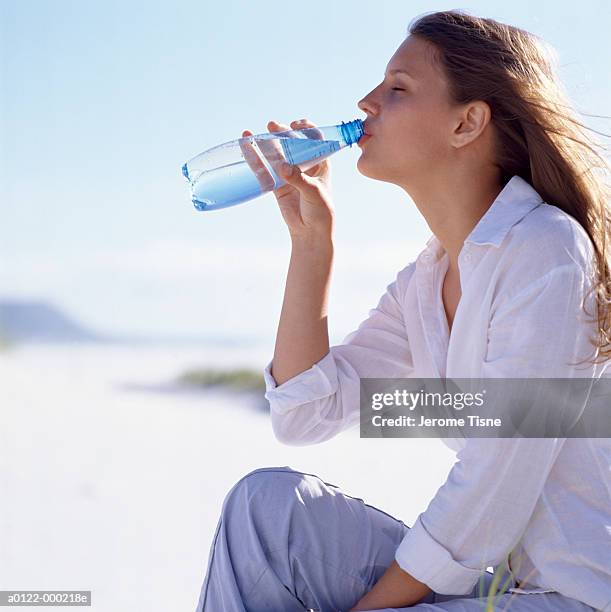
[426, 283]
[466, 263]
[465, 253]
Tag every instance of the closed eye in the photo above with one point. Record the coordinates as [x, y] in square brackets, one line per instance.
[397, 89]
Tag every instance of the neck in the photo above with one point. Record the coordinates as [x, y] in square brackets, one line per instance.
[453, 205]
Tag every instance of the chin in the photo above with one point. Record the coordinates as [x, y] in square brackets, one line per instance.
[370, 171]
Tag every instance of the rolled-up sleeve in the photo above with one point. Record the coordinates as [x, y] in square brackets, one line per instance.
[480, 513]
[322, 401]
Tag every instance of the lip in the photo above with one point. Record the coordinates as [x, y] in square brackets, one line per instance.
[363, 139]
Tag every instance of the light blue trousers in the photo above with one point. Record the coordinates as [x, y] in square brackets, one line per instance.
[287, 541]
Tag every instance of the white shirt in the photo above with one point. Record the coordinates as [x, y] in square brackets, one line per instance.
[524, 271]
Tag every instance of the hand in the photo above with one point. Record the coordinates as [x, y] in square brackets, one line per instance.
[395, 589]
[305, 199]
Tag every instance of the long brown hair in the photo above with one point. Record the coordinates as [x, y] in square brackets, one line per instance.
[539, 137]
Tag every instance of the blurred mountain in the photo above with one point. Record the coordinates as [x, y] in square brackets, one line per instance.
[40, 322]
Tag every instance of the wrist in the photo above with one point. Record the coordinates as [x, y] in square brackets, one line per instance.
[312, 242]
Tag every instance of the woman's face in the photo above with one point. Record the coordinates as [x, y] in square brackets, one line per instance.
[409, 117]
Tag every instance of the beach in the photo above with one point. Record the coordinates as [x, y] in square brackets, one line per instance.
[112, 479]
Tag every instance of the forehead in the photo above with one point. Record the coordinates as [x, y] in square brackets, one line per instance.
[417, 57]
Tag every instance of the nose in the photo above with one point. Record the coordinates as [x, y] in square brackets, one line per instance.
[366, 105]
[363, 105]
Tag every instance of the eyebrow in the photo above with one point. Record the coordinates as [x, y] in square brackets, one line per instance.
[398, 70]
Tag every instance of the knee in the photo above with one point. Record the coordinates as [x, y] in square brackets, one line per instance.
[263, 487]
[265, 473]
[270, 477]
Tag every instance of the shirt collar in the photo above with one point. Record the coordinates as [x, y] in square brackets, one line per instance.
[511, 205]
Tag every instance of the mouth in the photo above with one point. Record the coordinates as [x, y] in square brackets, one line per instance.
[363, 139]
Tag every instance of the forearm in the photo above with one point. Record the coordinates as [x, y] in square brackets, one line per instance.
[395, 589]
[303, 335]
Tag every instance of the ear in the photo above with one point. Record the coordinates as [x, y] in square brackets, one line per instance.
[471, 122]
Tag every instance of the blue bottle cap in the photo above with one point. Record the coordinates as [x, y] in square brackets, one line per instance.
[352, 131]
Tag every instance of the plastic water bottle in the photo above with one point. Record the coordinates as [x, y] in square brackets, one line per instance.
[243, 169]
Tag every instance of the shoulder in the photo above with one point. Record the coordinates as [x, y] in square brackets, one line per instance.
[546, 242]
[547, 247]
[403, 277]
[549, 237]
[396, 289]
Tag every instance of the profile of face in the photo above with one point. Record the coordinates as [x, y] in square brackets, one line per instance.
[415, 127]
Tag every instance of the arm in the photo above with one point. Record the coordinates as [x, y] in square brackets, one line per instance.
[324, 397]
[395, 588]
[303, 337]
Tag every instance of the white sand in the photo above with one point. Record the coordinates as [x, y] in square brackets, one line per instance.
[118, 492]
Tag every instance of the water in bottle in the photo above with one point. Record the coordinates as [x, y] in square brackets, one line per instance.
[243, 169]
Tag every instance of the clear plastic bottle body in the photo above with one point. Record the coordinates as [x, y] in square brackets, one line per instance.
[243, 169]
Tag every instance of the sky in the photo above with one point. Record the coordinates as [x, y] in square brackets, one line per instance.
[102, 102]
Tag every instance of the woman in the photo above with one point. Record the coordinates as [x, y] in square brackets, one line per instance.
[470, 123]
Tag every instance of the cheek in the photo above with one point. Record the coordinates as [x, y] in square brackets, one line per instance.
[424, 127]
[414, 114]
[417, 135]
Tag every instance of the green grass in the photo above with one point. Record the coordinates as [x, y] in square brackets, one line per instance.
[5, 343]
[241, 379]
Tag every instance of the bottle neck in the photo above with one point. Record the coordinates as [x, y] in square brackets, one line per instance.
[352, 131]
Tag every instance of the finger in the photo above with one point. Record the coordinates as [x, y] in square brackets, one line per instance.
[251, 156]
[272, 148]
[294, 176]
[311, 131]
[308, 128]
[274, 126]
[274, 151]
